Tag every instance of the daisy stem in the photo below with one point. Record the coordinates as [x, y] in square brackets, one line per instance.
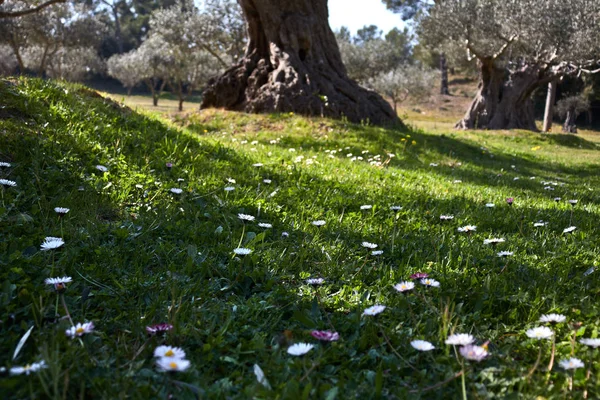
[587, 376]
[537, 362]
[394, 350]
[551, 364]
[462, 380]
[64, 303]
[56, 305]
[362, 266]
[394, 233]
[242, 237]
[318, 296]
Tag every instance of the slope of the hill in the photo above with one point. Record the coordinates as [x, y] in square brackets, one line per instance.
[141, 252]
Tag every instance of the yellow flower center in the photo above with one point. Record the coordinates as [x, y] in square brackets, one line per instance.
[79, 331]
[173, 364]
[169, 353]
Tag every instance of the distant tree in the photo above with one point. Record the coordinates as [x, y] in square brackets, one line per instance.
[126, 69]
[72, 63]
[404, 81]
[569, 108]
[8, 61]
[367, 34]
[24, 8]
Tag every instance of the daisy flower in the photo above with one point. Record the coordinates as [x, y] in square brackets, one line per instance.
[230, 180]
[395, 208]
[242, 251]
[573, 202]
[318, 222]
[505, 253]
[299, 349]
[569, 229]
[430, 282]
[552, 318]
[510, 201]
[493, 241]
[326, 336]
[369, 245]
[169, 165]
[257, 165]
[158, 328]
[284, 234]
[540, 224]
[594, 343]
[419, 275]
[246, 217]
[267, 181]
[571, 363]
[473, 353]
[490, 205]
[61, 210]
[80, 329]
[374, 310]
[446, 217]
[315, 281]
[101, 168]
[29, 368]
[377, 252]
[51, 242]
[170, 352]
[58, 283]
[4, 164]
[168, 364]
[176, 190]
[265, 225]
[6, 182]
[229, 188]
[366, 207]
[467, 228]
[433, 164]
[541, 332]
[556, 199]
[460, 339]
[404, 286]
[456, 181]
[422, 345]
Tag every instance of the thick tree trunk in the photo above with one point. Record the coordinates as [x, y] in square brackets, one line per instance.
[293, 64]
[569, 125]
[549, 111]
[444, 90]
[503, 101]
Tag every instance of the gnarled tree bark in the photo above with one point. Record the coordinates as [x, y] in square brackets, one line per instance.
[293, 64]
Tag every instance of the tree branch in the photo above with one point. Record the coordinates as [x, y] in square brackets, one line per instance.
[504, 46]
[14, 14]
[215, 55]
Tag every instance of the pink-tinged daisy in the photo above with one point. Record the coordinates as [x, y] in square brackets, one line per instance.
[369, 245]
[169, 364]
[404, 286]
[571, 363]
[6, 182]
[422, 345]
[460, 339]
[246, 217]
[553, 318]
[541, 332]
[430, 282]
[169, 165]
[80, 329]
[374, 310]
[419, 275]
[510, 201]
[51, 243]
[170, 352]
[315, 281]
[29, 368]
[59, 283]
[569, 229]
[594, 343]
[158, 328]
[326, 336]
[473, 352]
[467, 228]
[299, 349]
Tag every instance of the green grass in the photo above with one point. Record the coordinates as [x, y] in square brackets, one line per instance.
[139, 254]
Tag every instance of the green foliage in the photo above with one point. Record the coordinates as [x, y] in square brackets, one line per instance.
[139, 254]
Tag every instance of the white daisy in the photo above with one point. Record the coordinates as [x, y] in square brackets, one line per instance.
[369, 245]
[467, 228]
[169, 352]
[176, 190]
[169, 364]
[594, 343]
[456, 181]
[556, 199]
[29, 368]
[241, 251]
[541, 332]
[51, 243]
[505, 253]
[61, 210]
[374, 310]
[396, 208]
[571, 363]
[6, 182]
[4, 164]
[80, 329]
[430, 282]
[315, 281]
[493, 241]
[553, 318]
[473, 353]
[318, 222]
[267, 181]
[569, 229]
[366, 207]
[540, 224]
[446, 217]
[460, 339]
[422, 345]
[490, 205]
[246, 217]
[265, 225]
[58, 283]
[230, 180]
[433, 164]
[101, 168]
[299, 349]
[229, 188]
[573, 202]
[404, 286]
[257, 165]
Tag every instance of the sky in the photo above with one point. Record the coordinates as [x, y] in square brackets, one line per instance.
[354, 14]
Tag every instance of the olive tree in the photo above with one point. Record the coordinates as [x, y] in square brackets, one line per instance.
[569, 108]
[519, 45]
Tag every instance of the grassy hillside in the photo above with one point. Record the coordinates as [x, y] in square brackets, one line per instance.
[139, 254]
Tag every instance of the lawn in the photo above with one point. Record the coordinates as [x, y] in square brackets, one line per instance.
[160, 210]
